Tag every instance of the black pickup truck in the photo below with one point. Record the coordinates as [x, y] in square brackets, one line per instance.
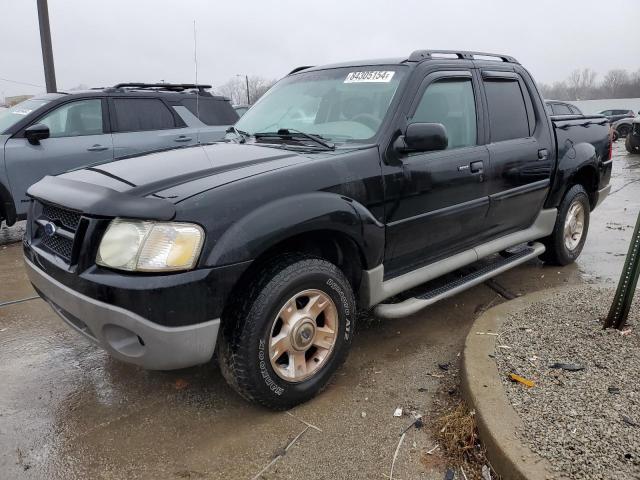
[348, 186]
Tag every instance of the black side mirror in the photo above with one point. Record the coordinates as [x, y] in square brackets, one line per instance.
[36, 132]
[423, 137]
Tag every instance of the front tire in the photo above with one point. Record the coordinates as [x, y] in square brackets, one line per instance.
[289, 332]
[565, 243]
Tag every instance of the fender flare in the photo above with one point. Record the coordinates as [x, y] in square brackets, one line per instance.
[279, 220]
[575, 158]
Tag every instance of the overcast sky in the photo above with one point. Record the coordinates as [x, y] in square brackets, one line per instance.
[100, 43]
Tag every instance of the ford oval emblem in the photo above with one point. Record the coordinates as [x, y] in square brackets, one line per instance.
[50, 229]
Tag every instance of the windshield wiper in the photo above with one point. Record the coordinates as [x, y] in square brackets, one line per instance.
[239, 133]
[289, 132]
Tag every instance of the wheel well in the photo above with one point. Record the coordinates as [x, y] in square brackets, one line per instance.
[330, 245]
[335, 247]
[588, 178]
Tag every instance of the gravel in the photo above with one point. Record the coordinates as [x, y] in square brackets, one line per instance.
[585, 422]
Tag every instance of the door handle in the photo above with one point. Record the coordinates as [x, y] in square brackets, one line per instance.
[97, 148]
[476, 167]
[182, 138]
[543, 154]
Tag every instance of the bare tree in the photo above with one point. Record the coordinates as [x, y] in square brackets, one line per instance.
[614, 82]
[236, 88]
[581, 84]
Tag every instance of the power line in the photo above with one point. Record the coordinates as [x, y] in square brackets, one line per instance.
[21, 83]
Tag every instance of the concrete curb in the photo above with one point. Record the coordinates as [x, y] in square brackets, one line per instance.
[483, 391]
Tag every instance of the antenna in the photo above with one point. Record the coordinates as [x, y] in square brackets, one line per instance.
[195, 62]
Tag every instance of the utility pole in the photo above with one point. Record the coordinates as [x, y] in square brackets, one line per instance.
[246, 78]
[627, 286]
[45, 42]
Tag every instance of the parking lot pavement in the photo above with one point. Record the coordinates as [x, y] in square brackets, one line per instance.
[67, 410]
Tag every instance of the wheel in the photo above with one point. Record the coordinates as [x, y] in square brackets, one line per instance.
[614, 135]
[632, 145]
[292, 328]
[566, 241]
[623, 130]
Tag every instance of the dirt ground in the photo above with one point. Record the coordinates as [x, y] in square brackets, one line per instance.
[67, 410]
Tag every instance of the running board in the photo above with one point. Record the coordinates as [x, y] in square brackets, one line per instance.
[415, 304]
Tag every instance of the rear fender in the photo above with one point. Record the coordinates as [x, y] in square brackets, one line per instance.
[285, 218]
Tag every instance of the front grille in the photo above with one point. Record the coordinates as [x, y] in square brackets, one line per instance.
[66, 218]
[55, 229]
[59, 245]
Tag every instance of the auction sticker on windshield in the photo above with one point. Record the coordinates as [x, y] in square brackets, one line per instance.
[368, 77]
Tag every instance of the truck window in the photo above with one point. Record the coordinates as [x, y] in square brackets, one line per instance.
[139, 114]
[451, 103]
[561, 109]
[507, 111]
[73, 119]
[212, 111]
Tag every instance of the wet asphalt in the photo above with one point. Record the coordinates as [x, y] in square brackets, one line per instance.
[69, 411]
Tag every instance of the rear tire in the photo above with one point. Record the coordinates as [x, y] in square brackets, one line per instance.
[623, 130]
[565, 243]
[632, 146]
[288, 332]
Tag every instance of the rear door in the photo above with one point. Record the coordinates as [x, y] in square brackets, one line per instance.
[520, 149]
[79, 136]
[441, 195]
[144, 124]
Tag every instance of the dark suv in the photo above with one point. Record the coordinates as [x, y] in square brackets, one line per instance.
[53, 133]
[346, 186]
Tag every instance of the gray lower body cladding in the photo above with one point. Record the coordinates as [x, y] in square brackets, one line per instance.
[375, 289]
[124, 334]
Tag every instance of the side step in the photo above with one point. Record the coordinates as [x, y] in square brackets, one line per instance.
[415, 304]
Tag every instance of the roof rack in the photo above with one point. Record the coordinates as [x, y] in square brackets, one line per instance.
[297, 69]
[170, 87]
[419, 55]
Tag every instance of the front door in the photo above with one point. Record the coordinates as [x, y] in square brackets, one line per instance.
[77, 138]
[439, 199]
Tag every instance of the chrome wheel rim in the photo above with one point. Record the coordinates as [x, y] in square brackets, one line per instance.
[303, 335]
[574, 226]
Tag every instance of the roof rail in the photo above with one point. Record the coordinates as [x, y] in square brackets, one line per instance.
[419, 55]
[297, 69]
[171, 87]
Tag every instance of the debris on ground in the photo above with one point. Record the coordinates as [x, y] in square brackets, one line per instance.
[180, 384]
[397, 412]
[569, 367]
[629, 421]
[449, 474]
[443, 366]
[517, 378]
[486, 472]
[614, 390]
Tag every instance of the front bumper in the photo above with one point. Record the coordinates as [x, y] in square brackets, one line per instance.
[124, 334]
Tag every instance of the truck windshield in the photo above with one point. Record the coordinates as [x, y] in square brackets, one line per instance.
[16, 113]
[342, 104]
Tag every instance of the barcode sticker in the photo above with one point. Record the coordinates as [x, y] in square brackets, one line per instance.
[375, 76]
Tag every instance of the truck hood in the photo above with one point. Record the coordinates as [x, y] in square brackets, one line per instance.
[149, 186]
[180, 173]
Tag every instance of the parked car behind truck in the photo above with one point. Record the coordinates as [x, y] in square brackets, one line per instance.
[53, 133]
[345, 186]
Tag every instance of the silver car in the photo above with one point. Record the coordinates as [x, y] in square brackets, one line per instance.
[53, 133]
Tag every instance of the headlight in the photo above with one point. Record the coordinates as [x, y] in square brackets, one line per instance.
[144, 246]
